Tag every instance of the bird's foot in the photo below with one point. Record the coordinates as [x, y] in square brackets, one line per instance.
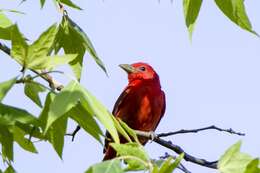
[152, 135]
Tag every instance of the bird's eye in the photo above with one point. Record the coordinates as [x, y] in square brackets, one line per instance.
[142, 68]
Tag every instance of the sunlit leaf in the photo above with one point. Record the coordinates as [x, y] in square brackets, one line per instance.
[32, 90]
[56, 134]
[253, 166]
[10, 169]
[41, 47]
[233, 160]
[73, 40]
[70, 4]
[69, 97]
[235, 11]
[19, 47]
[21, 140]
[57, 130]
[62, 103]
[191, 12]
[5, 87]
[10, 115]
[6, 139]
[110, 166]
[130, 131]
[94, 106]
[4, 21]
[121, 130]
[135, 150]
[169, 166]
[51, 62]
[86, 121]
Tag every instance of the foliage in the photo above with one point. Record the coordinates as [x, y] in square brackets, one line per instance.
[77, 103]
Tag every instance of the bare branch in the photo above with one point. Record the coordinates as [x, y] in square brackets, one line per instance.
[177, 149]
[213, 127]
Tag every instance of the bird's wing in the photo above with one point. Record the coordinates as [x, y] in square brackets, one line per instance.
[115, 111]
[163, 101]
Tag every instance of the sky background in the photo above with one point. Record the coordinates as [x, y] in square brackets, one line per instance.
[213, 80]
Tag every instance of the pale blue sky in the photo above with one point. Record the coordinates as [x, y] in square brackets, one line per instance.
[213, 80]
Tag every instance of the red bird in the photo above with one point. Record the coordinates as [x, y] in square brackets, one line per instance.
[142, 103]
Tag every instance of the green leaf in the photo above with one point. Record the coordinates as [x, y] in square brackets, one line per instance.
[44, 114]
[253, 166]
[121, 130]
[56, 134]
[70, 4]
[132, 149]
[21, 140]
[110, 166]
[32, 90]
[42, 3]
[86, 120]
[51, 62]
[191, 12]
[95, 107]
[130, 131]
[235, 11]
[57, 130]
[69, 97]
[42, 46]
[73, 40]
[168, 166]
[19, 47]
[34, 55]
[9, 115]
[4, 21]
[6, 139]
[233, 160]
[10, 169]
[5, 87]
[63, 103]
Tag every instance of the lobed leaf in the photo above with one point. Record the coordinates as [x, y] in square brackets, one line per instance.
[32, 90]
[5, 87]
[5, 27]
[110, 166]
[132, 149]
[74, 40]
[233, 160]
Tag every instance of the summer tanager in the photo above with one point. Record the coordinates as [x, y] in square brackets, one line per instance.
[141, 105]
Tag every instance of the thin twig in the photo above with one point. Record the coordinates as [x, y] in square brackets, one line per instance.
[73, 134]
[213, 127]
[177, 149]
[46, 72]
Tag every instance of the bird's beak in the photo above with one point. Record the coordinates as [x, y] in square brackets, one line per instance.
[128, 68]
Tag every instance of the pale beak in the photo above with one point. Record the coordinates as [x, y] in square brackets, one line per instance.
[128, 68]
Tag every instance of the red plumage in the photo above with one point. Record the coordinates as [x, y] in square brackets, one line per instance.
[142, 103]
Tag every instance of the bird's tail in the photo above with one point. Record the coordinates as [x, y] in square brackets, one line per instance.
[109, 154]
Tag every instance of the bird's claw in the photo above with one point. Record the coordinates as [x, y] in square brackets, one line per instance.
[152, 135]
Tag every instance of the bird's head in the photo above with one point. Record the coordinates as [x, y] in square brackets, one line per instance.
[140, 71]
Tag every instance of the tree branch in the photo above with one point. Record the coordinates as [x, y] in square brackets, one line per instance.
[54, 84]
[177, 149]
[213, 127]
